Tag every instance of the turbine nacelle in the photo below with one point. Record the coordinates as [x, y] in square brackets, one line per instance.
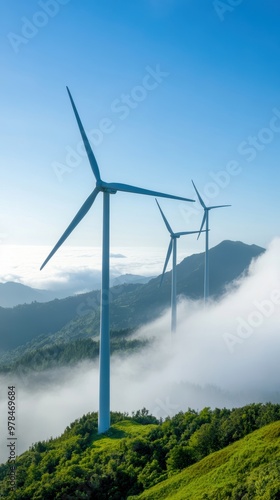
[105, 188]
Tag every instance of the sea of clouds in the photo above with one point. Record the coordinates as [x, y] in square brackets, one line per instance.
[223, 355]
[77, 269]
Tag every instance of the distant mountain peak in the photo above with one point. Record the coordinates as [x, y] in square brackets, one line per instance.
[232, 244]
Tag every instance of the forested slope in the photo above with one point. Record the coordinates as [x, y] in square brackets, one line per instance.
[140, 452]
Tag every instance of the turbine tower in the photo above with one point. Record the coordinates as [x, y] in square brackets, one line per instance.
[205, 220]
[172, 248]
[106, 189]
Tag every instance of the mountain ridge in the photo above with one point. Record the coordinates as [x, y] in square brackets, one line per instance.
[132, 305]
[13, 293]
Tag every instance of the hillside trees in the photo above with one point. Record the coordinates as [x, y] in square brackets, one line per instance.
[135, 454]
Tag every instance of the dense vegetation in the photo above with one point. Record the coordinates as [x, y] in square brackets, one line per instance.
[47, 352]
[246, 470]
[24, 323]
[139, 452]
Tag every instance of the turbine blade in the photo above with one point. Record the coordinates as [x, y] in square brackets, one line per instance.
[202, 224]
[199, 197]
[169, 250]
[80, 215]
[165, 219]
[91, 157]
[190, 232]
[133, 189]
[218, 206]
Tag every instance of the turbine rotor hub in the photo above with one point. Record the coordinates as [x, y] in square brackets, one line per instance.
[105, 188]
[109, 190]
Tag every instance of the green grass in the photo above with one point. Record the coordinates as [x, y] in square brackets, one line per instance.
[247, 469]
[63, 465]
[139, 453]
[120, 430]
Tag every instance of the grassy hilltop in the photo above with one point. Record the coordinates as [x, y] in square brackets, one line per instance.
[211, 454]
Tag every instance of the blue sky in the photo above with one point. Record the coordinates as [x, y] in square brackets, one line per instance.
[169, 90]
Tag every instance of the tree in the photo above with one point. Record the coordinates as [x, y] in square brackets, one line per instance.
[179, 458]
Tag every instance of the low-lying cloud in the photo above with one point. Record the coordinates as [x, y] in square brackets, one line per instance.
[76, 269]
[225, 354]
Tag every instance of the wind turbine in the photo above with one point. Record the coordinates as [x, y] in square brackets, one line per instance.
[106, 189]
[205, 220]
[172, 248]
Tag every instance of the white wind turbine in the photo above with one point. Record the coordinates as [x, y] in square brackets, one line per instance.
[106, 189]
[205, 220]
[172, 248]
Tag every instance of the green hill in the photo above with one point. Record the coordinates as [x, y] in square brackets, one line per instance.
[211, 454]
[248, 469]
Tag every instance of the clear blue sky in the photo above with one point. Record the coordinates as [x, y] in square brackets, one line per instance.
[214, 105]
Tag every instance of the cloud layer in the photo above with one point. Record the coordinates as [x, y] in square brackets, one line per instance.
[76, 268]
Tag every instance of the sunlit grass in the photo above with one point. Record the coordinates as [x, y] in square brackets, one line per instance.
[253, 463]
